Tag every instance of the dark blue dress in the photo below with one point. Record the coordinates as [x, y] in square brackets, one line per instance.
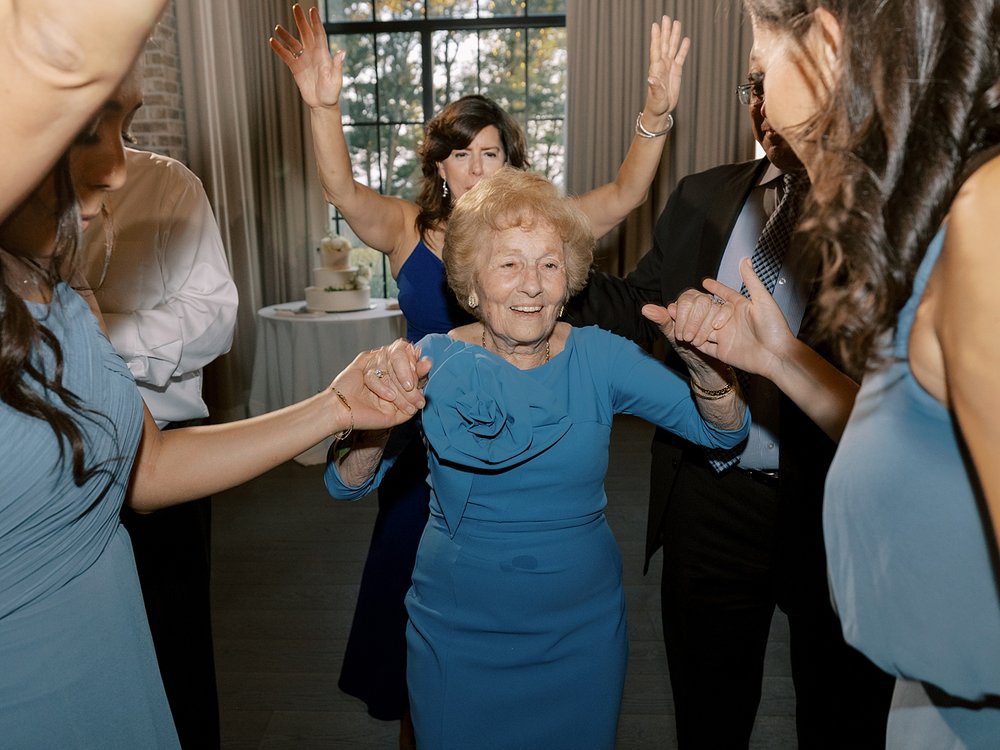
[909, 550]
[77, 666]
[517, 635]
[374, 667]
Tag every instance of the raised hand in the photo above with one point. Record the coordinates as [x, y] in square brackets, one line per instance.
[667, 52]
[318, 74]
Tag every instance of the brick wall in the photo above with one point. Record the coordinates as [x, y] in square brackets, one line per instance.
[159, 124]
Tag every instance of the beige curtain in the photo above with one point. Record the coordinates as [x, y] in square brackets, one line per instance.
[245, 140]
[608, 50]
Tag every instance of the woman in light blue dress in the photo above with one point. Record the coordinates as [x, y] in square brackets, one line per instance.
[77, 665]
[517, 634]
[894, 110]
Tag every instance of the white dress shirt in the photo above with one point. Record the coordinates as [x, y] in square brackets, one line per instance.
[168, 296]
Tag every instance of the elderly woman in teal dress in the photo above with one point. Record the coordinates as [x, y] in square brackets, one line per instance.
[467, 140]
[517, 633]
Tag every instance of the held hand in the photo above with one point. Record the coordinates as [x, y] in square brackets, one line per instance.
[756, 335]
[667, 52]
[697, 359]
[395, 373]
[697, 316]
[319, 76]
[368, 411]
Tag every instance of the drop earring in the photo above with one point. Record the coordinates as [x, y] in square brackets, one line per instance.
[444, 189]
[562, 309]
[473, 301]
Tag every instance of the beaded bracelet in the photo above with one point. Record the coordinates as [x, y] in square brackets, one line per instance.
[338, 436]
[641, 131]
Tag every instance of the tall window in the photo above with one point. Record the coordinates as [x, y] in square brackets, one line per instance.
[407, 59]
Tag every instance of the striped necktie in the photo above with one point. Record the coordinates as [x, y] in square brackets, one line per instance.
[767, 258]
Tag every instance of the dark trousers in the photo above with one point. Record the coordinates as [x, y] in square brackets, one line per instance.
[172, 556]
[719, 591]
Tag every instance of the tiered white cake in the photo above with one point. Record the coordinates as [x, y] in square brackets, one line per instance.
[337, 286]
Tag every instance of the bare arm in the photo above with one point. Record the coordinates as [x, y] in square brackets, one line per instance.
[179, 465]
[381, 222]
[753, 336]
[609, 204]
[966, 321]
[60, 61]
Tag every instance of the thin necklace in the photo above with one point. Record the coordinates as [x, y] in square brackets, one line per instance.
[483, 344]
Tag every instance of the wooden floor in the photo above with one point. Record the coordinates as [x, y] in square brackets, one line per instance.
[286, 565]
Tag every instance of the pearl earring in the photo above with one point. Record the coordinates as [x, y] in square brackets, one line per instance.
[473, 301]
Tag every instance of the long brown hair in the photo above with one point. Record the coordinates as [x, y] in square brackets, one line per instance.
[23, 337]
[916, 101]
[454, 128]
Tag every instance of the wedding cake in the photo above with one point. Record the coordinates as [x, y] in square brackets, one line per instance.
[337, 286]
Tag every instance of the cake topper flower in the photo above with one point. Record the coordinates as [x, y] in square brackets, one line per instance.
[335, 251]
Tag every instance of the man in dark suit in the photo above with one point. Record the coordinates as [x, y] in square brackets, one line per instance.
[739, 541]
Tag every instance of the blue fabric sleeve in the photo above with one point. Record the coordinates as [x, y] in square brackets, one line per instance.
[645, 387]
[340, 491]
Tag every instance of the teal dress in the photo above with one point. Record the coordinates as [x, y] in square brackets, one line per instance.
[909, 552]
[517, 634]
[77, 666]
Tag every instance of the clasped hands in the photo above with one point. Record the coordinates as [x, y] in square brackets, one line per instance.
[396, 375]
[382, 387]
[749, 334]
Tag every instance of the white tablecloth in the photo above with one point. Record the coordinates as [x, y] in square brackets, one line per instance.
[298, 355]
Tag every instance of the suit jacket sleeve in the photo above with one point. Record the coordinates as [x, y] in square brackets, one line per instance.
[614, 303]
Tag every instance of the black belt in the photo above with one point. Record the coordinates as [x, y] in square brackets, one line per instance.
[770, 478]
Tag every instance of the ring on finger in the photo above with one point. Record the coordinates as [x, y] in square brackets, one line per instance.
[717, 300]
[379, 374]
[297, 55]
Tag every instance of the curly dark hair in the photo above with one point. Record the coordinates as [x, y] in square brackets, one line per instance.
[915, 105]
[23, 337]
[453, 128]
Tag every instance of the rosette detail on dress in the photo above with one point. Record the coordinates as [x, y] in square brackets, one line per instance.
[483, 415]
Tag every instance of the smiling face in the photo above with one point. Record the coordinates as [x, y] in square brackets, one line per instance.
[465, 167]
[521, 285]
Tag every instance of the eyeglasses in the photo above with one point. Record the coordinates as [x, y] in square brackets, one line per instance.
[748, 91]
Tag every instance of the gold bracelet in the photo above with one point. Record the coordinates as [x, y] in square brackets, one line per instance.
[641, 131]
[714, 395]
[338, 436]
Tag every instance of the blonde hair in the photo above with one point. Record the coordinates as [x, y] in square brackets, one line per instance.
[513, 198]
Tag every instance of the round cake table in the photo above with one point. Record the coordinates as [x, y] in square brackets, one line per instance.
[298, 353]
